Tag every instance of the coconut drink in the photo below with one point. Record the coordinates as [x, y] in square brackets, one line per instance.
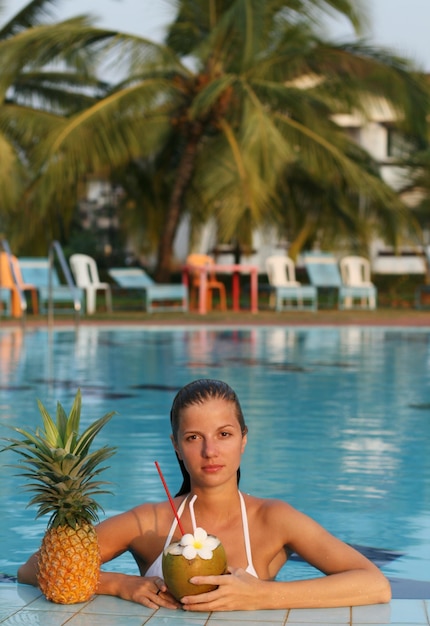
[196, 554]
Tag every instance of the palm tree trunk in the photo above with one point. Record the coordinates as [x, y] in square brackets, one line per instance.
[175, 208]
[301, 238]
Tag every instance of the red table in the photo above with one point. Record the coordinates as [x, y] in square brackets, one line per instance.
[235, 271]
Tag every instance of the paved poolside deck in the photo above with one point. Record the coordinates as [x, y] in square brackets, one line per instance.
[380, 317]
[22, 604]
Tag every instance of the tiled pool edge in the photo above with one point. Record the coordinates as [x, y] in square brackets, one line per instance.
[25, 604]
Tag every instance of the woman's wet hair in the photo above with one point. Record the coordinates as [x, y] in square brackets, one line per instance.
[198, 392]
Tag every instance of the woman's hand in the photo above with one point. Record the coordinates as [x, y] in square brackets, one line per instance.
[240, 591]
[150, 591]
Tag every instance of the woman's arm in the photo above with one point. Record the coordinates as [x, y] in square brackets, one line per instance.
[115, 536]
[241, 591]
[149, 591]
[27, 573]
[350, 578]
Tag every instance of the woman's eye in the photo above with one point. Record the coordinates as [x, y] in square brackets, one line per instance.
[191, 437]
[225, 434]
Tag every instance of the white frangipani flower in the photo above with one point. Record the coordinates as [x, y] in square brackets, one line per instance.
[198, 544]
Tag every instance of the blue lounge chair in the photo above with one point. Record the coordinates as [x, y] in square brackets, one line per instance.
[324, 273]
[170, 297]
[36, 271]
[5, 302]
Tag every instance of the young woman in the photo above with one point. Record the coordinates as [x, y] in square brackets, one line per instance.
[209, 436]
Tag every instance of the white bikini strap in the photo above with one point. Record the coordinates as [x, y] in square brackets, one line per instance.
[244, 524]
[175, 522]
[246, 531]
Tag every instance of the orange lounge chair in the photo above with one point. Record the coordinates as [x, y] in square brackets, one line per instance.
[11, 278]
[212, 284]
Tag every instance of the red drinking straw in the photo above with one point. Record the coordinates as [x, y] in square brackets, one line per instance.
[172, 504]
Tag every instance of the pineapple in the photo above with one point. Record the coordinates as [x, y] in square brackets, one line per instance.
[62, 475]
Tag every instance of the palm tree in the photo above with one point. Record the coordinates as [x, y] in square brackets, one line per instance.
[416, 187]
[240, 98]
[46, 74]
[270, 127]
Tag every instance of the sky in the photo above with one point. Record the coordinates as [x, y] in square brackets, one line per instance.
[401, 25]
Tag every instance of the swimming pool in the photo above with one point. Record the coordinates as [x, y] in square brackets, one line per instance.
[339, 423]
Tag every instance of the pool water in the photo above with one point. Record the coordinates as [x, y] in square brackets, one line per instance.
[339, 424]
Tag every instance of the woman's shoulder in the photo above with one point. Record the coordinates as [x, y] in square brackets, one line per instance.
[142, 515]
[267, 506]
[151, 510]
[271, 515]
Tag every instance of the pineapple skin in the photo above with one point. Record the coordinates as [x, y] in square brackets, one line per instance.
[69, 563]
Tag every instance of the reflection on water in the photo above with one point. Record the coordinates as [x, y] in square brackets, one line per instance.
[339, 421]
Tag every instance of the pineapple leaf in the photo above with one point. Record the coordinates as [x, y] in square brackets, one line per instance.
[59, 468]
[87, 437]
[70, 443]
[72, 423]
[31, 448]
[61, 418]
[51, 431]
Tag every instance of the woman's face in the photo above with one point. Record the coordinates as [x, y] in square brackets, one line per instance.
[210, 442]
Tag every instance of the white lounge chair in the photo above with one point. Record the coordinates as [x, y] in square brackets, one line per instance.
[324, 273]
[288, 292]
[355, 271]
[85, 272]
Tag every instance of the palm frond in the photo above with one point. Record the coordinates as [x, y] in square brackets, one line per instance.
[12, 176]
[30, 15]
[57, 92]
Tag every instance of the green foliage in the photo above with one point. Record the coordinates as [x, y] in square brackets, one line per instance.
[217, 123]
[47, 73]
